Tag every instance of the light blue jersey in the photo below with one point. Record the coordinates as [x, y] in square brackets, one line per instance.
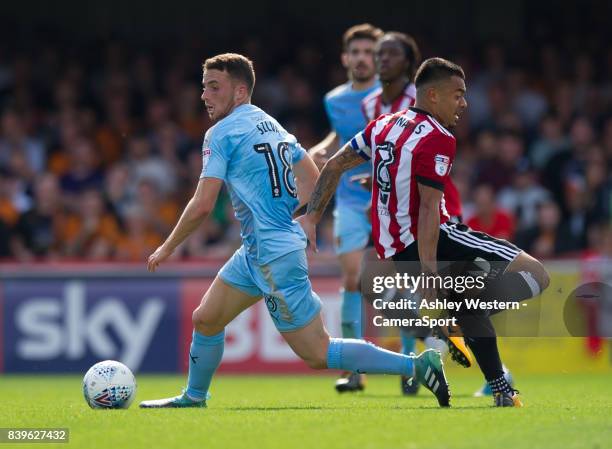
[343, 107]
[253, 154]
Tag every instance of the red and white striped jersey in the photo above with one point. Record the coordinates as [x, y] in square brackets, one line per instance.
[372, 106]
[407, 147]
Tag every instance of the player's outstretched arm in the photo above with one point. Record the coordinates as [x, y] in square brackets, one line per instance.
[306, 174]
[345, 159]
[322, 151]
[197, 209]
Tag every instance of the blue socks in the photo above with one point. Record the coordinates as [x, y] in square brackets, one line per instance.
[353, 354]
[344, 354]
[408, 342]
[351, 315]
[362, 357]
[204, 358]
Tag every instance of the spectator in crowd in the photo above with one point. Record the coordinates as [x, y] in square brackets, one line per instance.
[90, 233]
[138, 240]
[83, 170]
[125, 128]
[36, 233]
[143, 164]
[543, 240]
[117, 188]
[160, 212]
[550, 141]
[189, 112]
[499, 171]
[20, 151]
[5, 237]
[524, 196]
[172, 146]
[9, 212]
[488, 217]
[528, 103]
[569, 163]
[573, 229]
[598, 185]
[606, 138]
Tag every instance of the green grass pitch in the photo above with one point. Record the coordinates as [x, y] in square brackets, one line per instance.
[562, 411]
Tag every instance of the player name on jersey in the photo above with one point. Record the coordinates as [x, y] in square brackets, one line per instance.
[266, 127]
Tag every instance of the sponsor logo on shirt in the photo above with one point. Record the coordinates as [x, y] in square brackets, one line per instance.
[442, 163]
[205, 156]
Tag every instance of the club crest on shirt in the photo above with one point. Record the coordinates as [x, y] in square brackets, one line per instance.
[442, 163]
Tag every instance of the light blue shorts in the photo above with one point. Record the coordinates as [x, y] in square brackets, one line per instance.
[283, 283]
[352, 229]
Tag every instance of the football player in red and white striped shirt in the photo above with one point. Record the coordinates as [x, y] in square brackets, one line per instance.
[412, 154]
[397, 57]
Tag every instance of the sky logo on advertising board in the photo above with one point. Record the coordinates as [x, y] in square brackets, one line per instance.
[66, 325]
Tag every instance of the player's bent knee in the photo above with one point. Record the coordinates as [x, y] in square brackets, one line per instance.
[526, 262]
[205, 324]
[544, 279]
[350, 282]
[539, 272]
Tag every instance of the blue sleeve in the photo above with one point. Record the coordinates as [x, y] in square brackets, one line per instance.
[362, 142]
[215, 156]
[361, 145]
[297, 152]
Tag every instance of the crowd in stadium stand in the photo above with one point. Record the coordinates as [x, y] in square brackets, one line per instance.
[98, 155]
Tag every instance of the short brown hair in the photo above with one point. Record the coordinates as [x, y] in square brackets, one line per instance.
[239, 67]
[361, 31]
[437, 69]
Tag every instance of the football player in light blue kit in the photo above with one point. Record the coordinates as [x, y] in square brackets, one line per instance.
[268, 175]
[351, 223]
